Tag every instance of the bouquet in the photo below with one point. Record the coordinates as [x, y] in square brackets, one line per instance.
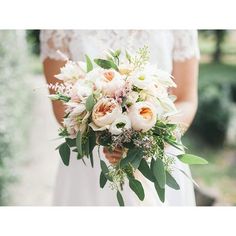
[121, 101]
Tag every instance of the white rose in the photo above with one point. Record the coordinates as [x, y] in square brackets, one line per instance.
[122, 122]
[83, 88]
[72, 71]
[105, 112]
[113, 82]
[142, 115]
[109, 81]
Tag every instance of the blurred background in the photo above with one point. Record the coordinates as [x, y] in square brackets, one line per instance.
[28, 161]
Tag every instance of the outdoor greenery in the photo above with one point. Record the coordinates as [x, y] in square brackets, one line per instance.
[14, 103]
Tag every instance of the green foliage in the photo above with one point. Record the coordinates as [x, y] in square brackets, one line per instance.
[15, 102]
[215, 100]
[90, 102]
[171, 182]
[102, 180]
[64, 151]
[192, 159]
[120, 198]
[160, 191]
[106, 64]
[159, 172]
[145, 170]
[79, 143]
[137, 187]
[89, 63]
[32, 37]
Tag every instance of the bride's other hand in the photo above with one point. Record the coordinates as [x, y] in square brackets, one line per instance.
[114, 156]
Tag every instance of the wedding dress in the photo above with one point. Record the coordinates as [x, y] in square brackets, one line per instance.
[78, 184]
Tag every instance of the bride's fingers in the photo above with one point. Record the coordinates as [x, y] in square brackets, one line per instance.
[115, 151]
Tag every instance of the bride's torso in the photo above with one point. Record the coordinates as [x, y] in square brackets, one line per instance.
[164, 45]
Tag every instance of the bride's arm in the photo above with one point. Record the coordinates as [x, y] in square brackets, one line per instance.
[51, 68]
[186, 78]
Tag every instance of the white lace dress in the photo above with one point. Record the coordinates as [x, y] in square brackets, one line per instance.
[79, 184]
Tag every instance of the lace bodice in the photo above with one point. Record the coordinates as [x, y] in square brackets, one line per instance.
[165, 45]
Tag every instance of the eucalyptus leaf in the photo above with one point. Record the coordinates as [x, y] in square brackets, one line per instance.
[90, 102]
[92, 140]
[120, 198]
[71, 142]
[64, 151]
[171, 182]
[159, 172]
[132, 154]
[89, 63]
[192, 159]
[137, 187]
[105, 169]
[136, 161]
[160, 191]
[106, 64]
[79, 143]
[102, 180]
[145, 170]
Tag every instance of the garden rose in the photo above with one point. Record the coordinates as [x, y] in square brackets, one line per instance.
[105, 112]
[142, 115]
[108, 81]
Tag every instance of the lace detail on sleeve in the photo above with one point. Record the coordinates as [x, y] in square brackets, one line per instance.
[53, 40]
[185, 45]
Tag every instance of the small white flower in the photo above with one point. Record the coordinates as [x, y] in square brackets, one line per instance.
[72, 71]
[122, 122]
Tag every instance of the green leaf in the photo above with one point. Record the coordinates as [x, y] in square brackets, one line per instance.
[90, 102]
[192, 159]
[132, 154]
[160, 191]
[92, 140]
[104, 167]
[128, 57]
[105, 170]
[89, 63]
[171, 182]
[64, 151]
[120, 198]
[106, 64]
[85, 148]
[137, 187]
[159, 172]
[79, 143]
[145, 170]
[71, 142]
[102, 180]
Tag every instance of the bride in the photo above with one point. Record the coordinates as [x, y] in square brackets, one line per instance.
[173, 51]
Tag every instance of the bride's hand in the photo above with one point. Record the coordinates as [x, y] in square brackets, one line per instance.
[114, 156]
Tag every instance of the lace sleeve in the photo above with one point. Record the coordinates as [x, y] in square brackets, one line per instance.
[53, 40]
[185, 45]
